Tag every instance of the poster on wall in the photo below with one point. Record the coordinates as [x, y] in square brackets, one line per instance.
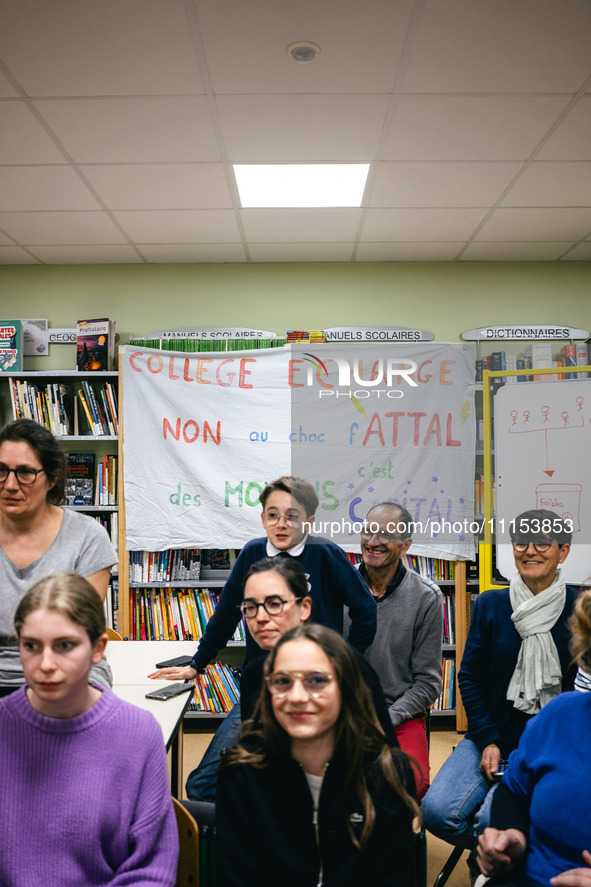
[203, 434]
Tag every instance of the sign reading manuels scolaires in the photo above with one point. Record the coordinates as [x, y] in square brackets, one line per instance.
[192, 332]
[377, 334]
[527, 331]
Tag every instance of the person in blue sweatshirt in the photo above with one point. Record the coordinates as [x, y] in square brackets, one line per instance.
[289, 505]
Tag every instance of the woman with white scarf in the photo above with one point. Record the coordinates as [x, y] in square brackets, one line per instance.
[515, 660]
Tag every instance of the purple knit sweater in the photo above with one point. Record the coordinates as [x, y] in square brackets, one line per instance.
[84, 800]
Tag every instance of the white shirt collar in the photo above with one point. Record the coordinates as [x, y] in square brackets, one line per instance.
[294, 551]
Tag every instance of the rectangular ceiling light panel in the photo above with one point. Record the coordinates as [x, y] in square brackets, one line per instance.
[301, 184]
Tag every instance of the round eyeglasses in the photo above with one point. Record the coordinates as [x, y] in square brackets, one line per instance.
[273, 605]
[540, 547]
[315, 683]
[24, 475]
[273, 517]
[382, 536]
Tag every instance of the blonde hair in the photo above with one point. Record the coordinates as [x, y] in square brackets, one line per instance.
[69, 594]
[580, 626]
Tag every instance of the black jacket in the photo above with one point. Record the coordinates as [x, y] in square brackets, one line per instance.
[267, 835]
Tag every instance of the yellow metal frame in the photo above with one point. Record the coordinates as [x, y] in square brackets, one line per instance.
[485, 547]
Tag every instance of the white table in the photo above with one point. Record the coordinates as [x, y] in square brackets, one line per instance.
[131, 662]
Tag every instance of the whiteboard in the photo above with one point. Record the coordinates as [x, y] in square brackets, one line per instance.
[542, 445]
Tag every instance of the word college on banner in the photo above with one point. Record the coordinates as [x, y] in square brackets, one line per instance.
[204, 433]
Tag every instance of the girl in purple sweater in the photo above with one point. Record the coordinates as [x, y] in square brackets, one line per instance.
[83, 777]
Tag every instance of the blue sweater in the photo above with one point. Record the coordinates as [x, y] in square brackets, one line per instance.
[488, 663]
[549, 776]
[334, 582]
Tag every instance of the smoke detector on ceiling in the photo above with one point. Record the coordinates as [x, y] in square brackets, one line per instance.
[303, 51]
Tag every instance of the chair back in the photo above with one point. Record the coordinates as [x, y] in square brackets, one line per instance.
[113, 635]
[187, 874]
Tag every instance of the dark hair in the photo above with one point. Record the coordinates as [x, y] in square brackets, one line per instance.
[404, 521]
[69, 594]
[290, 570]
[47, 449]
[541, 524]
[580, 626]
[297, 487]
[357, 731]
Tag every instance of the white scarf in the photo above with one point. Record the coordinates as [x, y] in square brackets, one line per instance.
[537, 677]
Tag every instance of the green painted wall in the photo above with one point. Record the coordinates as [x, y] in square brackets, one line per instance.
[443, 297]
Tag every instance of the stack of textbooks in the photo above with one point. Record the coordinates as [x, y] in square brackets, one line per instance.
[216, 691]
[193, 344]
[170, 565]
[95, 345]
[311, 336]
[172, 614]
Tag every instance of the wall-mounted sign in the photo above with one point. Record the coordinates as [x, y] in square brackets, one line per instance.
[527, 331]
[193, 332]
[57, 336]
[376, 334]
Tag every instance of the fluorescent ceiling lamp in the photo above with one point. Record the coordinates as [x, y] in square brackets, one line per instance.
[301, 184]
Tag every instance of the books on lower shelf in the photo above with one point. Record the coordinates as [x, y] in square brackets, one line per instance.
[106, 481]
[11, 346]
[170, 565]
[80, 479]
[216, 690]
[449, 619]
[169, 614]
[447, 698]
[67, 408]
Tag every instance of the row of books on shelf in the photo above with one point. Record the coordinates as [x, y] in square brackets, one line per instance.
[216, 690]
[434, 568]
[90, 480]
[170, 565]
[449, 619]
[82, 408]
[110, 522]
[112, 604]
[169, 614]
[447, 697]
[193, 344]
[537, 356]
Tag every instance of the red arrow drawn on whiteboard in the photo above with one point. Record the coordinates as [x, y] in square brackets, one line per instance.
[546, 470]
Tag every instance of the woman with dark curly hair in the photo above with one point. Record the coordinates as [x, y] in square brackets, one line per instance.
[313, 793]
[37, 536]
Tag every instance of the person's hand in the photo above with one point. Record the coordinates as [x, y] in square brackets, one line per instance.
[498, 851]
[174, 673]
[489, 762]
[575, 877]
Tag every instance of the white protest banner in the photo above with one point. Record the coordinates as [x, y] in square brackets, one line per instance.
[363, 423]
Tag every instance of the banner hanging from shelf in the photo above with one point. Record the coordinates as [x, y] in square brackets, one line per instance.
[364, 424]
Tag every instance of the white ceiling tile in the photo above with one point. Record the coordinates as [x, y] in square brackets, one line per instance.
[160, 186]
[290, 129]
[132, 130]
[23, 138]
[507, 46]
[190, 253]
[541, 251]
[408, 252]
[40, 228]
[300, 225]
[87, 255]
[441, 184]
[301, 252]
[361, 45]
[470, 128]
[542, 223]
[43, 188]
[420, 224]
[180, 226]
[581, 253]
[552, 184]
[68, 47]
[14, 255]
[572, 140]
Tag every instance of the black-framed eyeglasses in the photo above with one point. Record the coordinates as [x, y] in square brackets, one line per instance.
[24, 475]
[273, 605]
[540, 547]
[382, 536]
[273, 517]
[315, 683]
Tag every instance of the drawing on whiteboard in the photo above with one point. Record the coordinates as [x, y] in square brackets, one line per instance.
[518, 425]
[564, 499]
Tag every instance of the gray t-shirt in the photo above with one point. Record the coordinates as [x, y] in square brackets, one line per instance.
[81, 546]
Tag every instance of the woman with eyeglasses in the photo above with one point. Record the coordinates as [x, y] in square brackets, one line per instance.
[516, 659]
[38, 537]
[540, 813]
[313, 794]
